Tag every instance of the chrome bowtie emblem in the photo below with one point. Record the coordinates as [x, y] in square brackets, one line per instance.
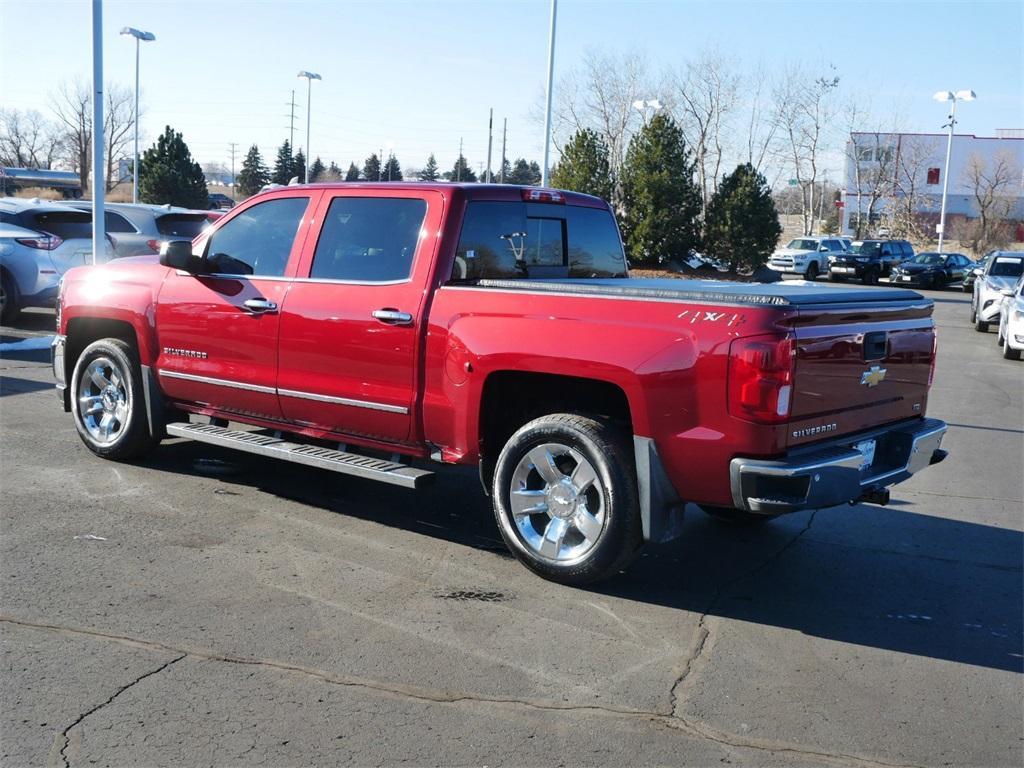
[873, 376]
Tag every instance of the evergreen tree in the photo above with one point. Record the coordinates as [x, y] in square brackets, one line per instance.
[429, 172]
[284, 165]
[584, 166]
[662, 203]
[524, 173]
[316, 170]
[505, 173]
[254, 174]
[371, 168]
[353, 173]
[298, 167]
[461, 171]
[392, 171]
[168, 174]
[742, 226]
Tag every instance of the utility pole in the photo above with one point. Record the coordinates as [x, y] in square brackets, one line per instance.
[380, 164]
[547, 96]
[99, 233]
[458, 163]
[490, 141]
[291, 125]
[233, 144]
[504, 136]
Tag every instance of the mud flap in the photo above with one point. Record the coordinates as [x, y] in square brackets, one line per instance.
[154, 404]
[661, 509]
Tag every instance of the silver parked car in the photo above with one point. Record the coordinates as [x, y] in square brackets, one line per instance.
[39, 242]
[138, 229]
[1002, 270]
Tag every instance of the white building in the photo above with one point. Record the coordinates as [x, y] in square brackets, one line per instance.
[901, 174]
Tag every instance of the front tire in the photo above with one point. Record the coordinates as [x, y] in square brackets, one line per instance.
[565, 499]
[812, 272]
[108, 403]
[1009, 353]
[870, 277]
[980, 325]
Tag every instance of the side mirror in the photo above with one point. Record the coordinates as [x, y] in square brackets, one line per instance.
[977, 271]
[177, 254]
[1009, 292]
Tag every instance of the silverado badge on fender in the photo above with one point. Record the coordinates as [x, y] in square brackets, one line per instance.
[873, 376]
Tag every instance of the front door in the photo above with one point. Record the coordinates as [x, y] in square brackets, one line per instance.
[353, 317]
[218, 330]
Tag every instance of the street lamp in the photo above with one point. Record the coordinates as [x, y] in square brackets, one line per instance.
[140, 37]
[641, 106]
[953, 97]
[310, 77]
[547, 94]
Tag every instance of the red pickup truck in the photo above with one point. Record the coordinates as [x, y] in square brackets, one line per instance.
[373, 329]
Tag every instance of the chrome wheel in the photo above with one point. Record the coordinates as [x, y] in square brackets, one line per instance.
[104, 400]
[557, 503]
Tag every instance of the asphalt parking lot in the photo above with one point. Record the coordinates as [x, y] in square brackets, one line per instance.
[207, 608]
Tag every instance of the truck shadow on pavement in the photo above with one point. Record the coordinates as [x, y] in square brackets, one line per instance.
[879, 577]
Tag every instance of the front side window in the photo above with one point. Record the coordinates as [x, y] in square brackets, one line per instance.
[369, 239]
[257, 241]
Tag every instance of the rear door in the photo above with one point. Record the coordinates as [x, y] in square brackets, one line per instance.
[218, 331]
[352, 320]
[859, 365]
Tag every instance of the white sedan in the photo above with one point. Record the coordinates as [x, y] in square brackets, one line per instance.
[1011, 321]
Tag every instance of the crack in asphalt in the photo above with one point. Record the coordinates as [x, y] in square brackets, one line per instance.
[673, 721]
[703, 633]
[65, 735]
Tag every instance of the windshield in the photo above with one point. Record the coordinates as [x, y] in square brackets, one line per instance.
[800, 244]
[929, 258]
[1006, 267]
[866, 249]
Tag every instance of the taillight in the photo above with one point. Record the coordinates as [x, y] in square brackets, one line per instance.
[534, 195]
[935, 356]
[153, 245]
[44, 243]
[760, 382]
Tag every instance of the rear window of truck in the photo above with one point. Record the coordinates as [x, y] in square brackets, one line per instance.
[509, 240]
[184, 226]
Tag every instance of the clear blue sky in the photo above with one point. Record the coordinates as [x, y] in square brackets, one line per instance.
[420, 75]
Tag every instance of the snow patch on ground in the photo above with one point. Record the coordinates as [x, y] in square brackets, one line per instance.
[27, 345]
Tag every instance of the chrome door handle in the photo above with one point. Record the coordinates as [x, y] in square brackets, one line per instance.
[393, 317]
[260, 306]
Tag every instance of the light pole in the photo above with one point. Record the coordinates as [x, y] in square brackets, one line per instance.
[140, 37]
[953, 97]
[310, 77]
[547, 111]
[640, 105]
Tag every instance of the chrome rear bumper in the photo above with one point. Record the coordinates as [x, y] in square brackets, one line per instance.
[824, 476]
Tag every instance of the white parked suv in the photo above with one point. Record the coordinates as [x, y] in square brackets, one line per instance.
[807, 256]
[1011, 321]
[1002, 271]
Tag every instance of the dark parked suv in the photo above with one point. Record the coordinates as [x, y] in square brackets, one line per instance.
[869, 260]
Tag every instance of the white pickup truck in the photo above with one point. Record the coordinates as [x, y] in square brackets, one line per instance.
[807, 256]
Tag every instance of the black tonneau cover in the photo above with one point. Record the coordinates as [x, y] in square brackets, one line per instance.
[776, 294]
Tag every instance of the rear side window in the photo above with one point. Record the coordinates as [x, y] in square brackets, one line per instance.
[181, 226]
[368, 239]
[117, 223]
[64, 224]
[502, 240]
[259, 240]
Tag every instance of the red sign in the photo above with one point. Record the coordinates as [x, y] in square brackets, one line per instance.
[840, 204]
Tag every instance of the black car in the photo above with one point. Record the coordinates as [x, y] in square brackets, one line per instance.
[218, 201]
[970, 276]
[932, 270]
[868, 260]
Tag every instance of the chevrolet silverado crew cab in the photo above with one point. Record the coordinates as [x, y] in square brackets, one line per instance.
[381, 330]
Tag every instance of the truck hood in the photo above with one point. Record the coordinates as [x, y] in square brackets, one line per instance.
[791, 293]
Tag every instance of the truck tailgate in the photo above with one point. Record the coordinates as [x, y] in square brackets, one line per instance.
[859, 366]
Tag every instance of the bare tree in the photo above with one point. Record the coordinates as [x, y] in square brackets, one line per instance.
[914, 156]
[991, 186]
[599, 95]
[762, 124]
[873, 158]
[704, 94]
[27, 139]
[72, 106]
[804, 110]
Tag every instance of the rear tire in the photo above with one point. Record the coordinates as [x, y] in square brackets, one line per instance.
[736, 517]
[108, 403]
[565, 499]
[10, 302]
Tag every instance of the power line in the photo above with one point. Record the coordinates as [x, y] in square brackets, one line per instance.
[291, 125]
